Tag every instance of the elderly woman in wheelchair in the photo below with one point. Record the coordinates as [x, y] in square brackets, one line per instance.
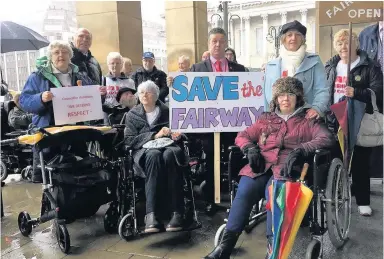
[156, 157]
[272, 144]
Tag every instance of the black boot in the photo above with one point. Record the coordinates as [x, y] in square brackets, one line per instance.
[224, 249]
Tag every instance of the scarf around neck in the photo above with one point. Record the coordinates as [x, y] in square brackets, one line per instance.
[292, 59]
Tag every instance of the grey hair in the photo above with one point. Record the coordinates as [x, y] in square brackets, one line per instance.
[217, 30]
[149, 86]
[186, 58]
[59, 44]
[282, 38]
[113, 55]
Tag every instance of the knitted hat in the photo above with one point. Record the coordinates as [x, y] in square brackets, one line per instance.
[295, 25]
[287, 85]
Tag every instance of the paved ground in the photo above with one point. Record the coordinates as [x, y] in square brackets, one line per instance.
[89, 240]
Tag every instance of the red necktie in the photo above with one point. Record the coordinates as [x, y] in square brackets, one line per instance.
[218, 66]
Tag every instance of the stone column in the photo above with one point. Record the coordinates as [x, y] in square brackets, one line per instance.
[283, 17]
[304, 16]
[232, 32]
[115, 26]
[265, 33]
[247, 40]
[189, 35]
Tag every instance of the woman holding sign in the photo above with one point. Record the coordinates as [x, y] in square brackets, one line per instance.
[156, 157]
[271, 144]
[53, 71]
[296, 62]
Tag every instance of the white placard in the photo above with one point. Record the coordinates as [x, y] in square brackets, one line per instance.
[215, 102]
[76, 104]
[2, 98]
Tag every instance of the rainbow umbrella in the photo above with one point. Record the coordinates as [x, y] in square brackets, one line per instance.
[276, 204]
[297, 199]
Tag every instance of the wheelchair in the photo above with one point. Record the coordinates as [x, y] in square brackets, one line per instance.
[122, 216]
[74, 187]
[16, 159]
[330, 208]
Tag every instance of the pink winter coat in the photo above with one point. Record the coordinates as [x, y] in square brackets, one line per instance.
[277, 137]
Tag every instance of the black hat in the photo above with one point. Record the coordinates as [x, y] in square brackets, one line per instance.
[295, 25]
[123, 90]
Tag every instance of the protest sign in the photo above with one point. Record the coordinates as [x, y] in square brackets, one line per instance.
[215, 102]
[76, 104]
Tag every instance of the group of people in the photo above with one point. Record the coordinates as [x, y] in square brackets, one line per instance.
[298, 91]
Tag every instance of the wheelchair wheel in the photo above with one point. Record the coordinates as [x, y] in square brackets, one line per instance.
[4, 171]
[25, 224]
[338, 203]
[26, 173]
[219, 234]
[63, 238]
[126, 227]
[313, 250]
[111, 219]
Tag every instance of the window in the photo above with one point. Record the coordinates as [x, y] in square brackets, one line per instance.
[259, 40]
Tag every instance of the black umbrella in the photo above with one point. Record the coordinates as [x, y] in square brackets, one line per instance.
[15, 37]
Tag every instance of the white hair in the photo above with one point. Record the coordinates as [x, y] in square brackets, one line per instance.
[149, 86]
[185, 58]
[113, 55]
[61, 45]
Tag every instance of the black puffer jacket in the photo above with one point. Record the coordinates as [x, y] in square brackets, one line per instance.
[366, 74]
[88, 65]
[157, 76]
[19, 119]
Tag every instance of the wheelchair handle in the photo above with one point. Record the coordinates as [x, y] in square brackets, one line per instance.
[9, 142]
[304, 172]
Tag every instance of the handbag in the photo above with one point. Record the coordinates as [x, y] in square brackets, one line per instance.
[371, 127]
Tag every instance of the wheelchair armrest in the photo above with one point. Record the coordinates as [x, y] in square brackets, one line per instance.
[234, 149]
[320, 153]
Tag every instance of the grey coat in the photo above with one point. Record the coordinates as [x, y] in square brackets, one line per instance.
[137, 132]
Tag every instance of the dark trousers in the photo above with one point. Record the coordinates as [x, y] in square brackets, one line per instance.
[377, 162]
[162, 170]
[226, 140]
[249, 192]
[360, 170]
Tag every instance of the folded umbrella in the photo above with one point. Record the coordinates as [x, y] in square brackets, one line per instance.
[15, 37]
[294, 213]
[275, 206]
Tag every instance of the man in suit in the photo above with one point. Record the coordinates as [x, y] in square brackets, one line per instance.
[217, 43]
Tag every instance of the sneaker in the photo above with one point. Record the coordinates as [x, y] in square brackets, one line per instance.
[176, 223]
[365, 211]
[269, 247]
[151, 224]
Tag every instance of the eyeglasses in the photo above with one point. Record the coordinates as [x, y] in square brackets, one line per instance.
[289, 95]
[146, 93]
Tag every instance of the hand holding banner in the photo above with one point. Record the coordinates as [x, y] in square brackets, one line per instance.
[76, 104]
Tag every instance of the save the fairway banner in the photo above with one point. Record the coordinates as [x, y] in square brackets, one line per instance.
[215, 102]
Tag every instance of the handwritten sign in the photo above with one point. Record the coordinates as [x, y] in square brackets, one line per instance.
[215, 102]
[76, 104]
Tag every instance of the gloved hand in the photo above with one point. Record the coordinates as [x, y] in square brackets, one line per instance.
[254, 157]
[295, 154]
